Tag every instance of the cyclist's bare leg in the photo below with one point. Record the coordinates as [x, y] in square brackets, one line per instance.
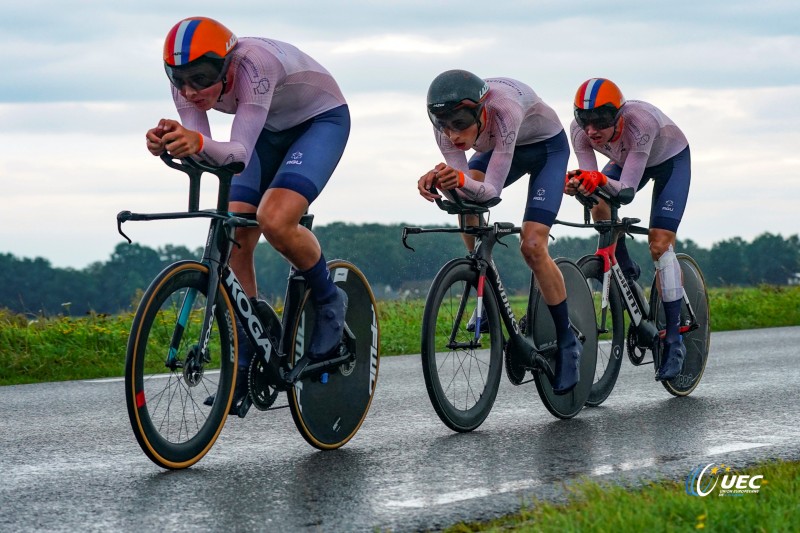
[242, 256]
[533, 245]
[660, 240]
[670, 287]
[279, 217]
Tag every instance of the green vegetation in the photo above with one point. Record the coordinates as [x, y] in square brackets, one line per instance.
[662, 506]
[35, 287]
[65, 348]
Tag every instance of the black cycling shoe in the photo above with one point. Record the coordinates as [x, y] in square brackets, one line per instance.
[474, 318]
[568, 365]
[328, 328]
[672, 361]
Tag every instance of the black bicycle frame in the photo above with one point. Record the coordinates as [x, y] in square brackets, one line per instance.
[533, 357]
[219, 241]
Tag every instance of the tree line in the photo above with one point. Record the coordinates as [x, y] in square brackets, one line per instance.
[35, 287]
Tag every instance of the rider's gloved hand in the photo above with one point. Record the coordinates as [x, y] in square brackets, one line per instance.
[571, 182]
[590, 180]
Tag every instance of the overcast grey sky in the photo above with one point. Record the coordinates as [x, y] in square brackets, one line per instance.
[83, 81]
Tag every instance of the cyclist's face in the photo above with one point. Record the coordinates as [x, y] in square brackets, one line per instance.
[598, 136]
[202, 99]
[462, 139]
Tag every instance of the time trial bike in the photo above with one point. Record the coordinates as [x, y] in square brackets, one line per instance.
[615, 296]
[181, 365]
[462, 363]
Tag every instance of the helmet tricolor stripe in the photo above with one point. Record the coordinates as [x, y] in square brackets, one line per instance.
[597, 92]
[197, 37]
[180, 41]
[587, 95]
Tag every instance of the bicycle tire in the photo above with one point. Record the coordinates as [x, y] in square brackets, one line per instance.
[328, 415]
[582, 316]
[697, 342]
[166, 409]
[609, 350]
[462, 382]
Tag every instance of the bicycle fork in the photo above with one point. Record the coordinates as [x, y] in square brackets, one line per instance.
[198, 356]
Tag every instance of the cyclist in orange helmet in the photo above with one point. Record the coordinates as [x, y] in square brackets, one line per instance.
[290, 141]
[642, 144]
[513, 132]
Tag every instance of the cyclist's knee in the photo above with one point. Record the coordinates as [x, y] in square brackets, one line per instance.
[533, 242]
[534, 250]
[660, 242]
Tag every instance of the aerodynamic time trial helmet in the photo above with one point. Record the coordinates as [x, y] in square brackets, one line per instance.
[455, 100]
[197, 52]
[598, 102]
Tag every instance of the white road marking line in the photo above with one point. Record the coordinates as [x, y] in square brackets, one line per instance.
[117, 380]
[480, 492]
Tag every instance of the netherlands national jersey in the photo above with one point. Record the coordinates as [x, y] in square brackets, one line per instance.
[276, 87]
[648, 138]
[515, 116]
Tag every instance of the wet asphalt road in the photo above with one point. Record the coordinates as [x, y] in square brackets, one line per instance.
[69, 461]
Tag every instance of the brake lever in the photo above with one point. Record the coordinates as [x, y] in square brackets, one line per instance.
[123, 216]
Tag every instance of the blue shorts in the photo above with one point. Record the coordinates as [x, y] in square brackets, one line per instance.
[301, 159]
[546, 162]
[671, 181]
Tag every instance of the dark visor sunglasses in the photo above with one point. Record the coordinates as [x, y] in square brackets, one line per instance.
[599, 117]
[457, 120]
[198, 77]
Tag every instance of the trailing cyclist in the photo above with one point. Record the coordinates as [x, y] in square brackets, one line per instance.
[513, 132]
[642, 144]
[290, 141]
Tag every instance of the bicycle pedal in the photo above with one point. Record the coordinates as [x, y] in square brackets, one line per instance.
[244, 407]
[323, 378]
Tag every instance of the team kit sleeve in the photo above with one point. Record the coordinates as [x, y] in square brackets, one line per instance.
[640, 132]
[582, 146]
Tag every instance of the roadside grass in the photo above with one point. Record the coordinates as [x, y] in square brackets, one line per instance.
[66, 348]
[661, 506]
[61, 348]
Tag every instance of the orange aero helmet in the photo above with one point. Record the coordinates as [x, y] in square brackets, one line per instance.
[597, 102]
[197, 52]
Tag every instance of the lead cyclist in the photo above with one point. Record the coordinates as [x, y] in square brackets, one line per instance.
[290, 141]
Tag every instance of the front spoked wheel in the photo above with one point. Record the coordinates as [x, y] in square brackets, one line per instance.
[582, 317]
[462, 368]
[696, 340]
[328, 412]
[610, 328]
[168, 375]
